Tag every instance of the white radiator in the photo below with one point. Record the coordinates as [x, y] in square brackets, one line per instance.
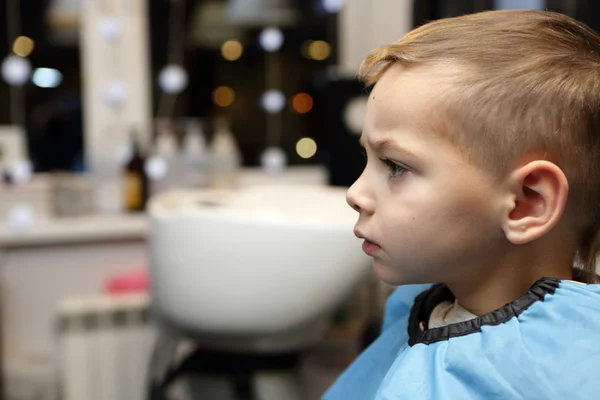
[105, 345]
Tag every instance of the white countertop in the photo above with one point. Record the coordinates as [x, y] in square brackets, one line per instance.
[77, 230]
[74, 230]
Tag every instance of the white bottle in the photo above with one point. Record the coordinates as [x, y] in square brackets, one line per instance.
[195, 156]
[163, 167]
[225, 157]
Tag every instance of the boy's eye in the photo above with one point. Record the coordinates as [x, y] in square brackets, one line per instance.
[395, 169]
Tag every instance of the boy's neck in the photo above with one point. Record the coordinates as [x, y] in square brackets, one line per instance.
[512, 276]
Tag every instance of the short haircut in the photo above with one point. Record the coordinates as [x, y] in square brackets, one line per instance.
[526, 83]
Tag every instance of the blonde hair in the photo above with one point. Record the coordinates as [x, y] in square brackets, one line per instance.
[525, 83]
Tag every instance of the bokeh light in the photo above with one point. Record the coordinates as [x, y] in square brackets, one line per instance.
[47, 77]
[333, 6]
[223, 96]
[23, 46]
[232, 50]
[319, 50]
[306, 147]
[271, 39]
[272, 101]
[302, 103]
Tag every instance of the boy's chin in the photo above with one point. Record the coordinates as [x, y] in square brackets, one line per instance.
[397, 276]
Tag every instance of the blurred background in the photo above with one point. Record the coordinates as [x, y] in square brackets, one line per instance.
[108, 104]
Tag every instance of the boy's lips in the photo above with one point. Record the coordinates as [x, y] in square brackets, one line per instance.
[369, 247]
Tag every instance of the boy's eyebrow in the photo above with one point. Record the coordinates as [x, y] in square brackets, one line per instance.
[386, 144]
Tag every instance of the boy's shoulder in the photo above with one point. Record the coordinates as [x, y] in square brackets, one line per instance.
[544, 346]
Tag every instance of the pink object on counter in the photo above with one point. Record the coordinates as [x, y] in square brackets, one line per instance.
[128, 282]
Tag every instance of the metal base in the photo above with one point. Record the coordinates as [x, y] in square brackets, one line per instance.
[244, 376]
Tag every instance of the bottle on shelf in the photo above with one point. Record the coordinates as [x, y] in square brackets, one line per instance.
[163, 167]
[135, 183]
[194, 156]
[225, 157]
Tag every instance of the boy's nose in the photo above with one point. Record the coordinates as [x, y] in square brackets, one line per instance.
[358, 198]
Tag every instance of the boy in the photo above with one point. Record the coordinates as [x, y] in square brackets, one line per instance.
[482, 135]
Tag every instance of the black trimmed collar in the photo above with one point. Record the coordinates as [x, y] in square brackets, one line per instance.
[428, 300]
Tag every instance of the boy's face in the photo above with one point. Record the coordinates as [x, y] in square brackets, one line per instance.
[433, 216]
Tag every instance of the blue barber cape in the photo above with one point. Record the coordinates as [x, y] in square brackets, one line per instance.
[545, 345]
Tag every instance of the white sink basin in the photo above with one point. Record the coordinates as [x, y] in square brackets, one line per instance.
[256, 268]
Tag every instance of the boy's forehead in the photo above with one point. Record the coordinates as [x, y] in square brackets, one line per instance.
[406, 97]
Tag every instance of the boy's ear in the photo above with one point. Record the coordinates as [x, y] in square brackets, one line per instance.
[538, 196]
